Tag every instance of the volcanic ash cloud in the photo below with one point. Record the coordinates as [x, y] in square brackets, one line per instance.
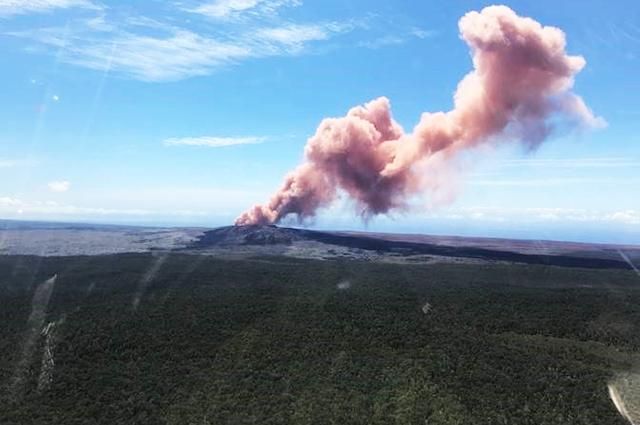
[518, 92]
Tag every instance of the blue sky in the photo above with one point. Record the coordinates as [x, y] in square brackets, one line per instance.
[188, 112]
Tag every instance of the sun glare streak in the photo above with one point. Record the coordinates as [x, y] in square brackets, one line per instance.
[147, 278]
[624, 392]
[626, 258]
[35, 322]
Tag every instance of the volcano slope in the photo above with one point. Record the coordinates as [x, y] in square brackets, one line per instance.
[175, 338]
[269, 239]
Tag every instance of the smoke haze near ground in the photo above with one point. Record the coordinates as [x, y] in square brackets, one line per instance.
[519, 91]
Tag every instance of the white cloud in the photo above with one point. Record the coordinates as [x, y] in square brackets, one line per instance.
[46, 209]
[7, 202]
[384, 41]
[524, 215]
[8, 163]
[592, 162]
[59, 186]
[12, 206]
[553, 181]
[213, 142]
[225, 9]
[627, 216]
[396, 38]
[19, 7]
[422, 33]
[158, 49]
[12, 163]
[179, 53]
[291, 39]
[183, 54]
[294, 34]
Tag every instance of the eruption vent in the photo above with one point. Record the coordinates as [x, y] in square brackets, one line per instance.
[519, 89]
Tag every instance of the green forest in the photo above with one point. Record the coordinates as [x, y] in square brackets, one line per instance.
[193, 339]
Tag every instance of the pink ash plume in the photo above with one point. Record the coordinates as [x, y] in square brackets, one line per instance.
[520, 85]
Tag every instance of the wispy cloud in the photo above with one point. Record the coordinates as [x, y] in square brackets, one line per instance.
[7, 163]
[59, 186]
[228, 9]
[175, 53]
[180, 55]
[294, 34]
[165, 47]
[559, 172]
[8, 202]
[21, 7]
[213, 142]
[12, 163]
[224, 8]
[593, 162]
[520, 215]
[18, 207]
[396, 38]
[422, 33]
[553, 181]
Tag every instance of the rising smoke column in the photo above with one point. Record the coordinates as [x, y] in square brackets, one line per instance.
[519, 89]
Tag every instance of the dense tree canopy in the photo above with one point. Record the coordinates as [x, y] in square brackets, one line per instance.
[278, 340]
